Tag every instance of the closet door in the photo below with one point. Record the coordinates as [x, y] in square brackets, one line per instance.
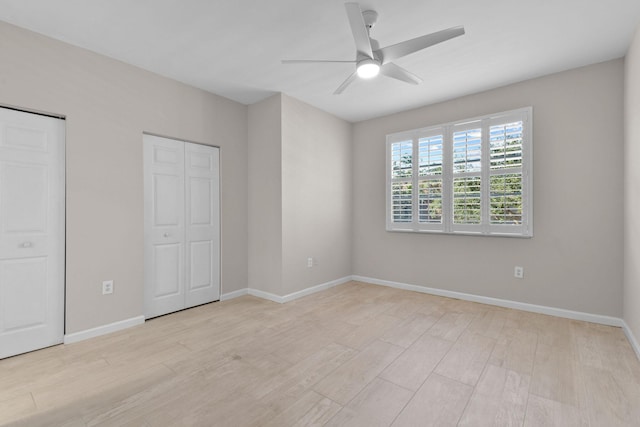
[164, 238]
[32, 245]
[182, 225]
[202, 224]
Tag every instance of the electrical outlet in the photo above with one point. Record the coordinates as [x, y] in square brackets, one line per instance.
[107, 287]
[518, 272]
[310, 262]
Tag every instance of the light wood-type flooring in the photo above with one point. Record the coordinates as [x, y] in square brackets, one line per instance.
[356, 354]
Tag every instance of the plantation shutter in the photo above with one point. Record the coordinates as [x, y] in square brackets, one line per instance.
[467, 176]
[401, 183]
[430, 170]
[509, 190]
[470, 177]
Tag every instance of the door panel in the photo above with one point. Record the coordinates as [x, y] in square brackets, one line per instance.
[163, 225]
[25, 198]
[201, 255]
[167, 270]
[24, 280]
[203, 226]
[31, 232]
[200, 201]
[167, 191]
[25, 138]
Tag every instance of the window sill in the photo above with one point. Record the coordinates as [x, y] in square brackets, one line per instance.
[460, 233]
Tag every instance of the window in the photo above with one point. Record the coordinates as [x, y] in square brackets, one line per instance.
[471, 177]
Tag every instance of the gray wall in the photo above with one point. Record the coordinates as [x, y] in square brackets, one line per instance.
[632, 188]
[265, 195]
[299, 196]
[316, 196]
[108, 106]
[574, 260]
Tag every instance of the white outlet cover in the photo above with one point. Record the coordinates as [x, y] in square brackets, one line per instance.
[518, 272]
[107, 287]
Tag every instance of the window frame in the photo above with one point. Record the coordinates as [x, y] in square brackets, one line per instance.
[447, 225]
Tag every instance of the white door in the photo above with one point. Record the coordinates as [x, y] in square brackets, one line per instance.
[182, 243]
[32, 203]
[202, 224]
[164, 225]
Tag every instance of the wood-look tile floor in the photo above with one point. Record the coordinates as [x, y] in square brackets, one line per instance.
[357, 354]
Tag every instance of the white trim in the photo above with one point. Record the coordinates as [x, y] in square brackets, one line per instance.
[551, 311]
[265, 295]
[234, 294]
[299, 294]
[317, 288]
[103, 330]
[632, 339]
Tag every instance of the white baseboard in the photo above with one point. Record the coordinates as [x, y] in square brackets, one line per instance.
[127, 323]
[102, 330]
[632, 338]
[234, 294]
[265, 295]
[299, 294]
[552, 311]
[314, 289]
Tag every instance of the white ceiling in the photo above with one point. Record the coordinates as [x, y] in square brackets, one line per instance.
[234, 47]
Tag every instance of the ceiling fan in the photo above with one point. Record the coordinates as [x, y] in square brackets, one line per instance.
[372, 60]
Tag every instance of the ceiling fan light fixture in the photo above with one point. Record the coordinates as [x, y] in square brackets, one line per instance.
[368, 69]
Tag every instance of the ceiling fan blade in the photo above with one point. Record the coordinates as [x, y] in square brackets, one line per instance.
[311, 61]
[359, 29]
[346, 83]
[405, 48]
[396, 72]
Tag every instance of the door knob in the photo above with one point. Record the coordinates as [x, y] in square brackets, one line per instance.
[166, 234]
[25, 245]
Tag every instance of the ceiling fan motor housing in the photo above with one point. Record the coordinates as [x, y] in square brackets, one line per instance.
[370, 18]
